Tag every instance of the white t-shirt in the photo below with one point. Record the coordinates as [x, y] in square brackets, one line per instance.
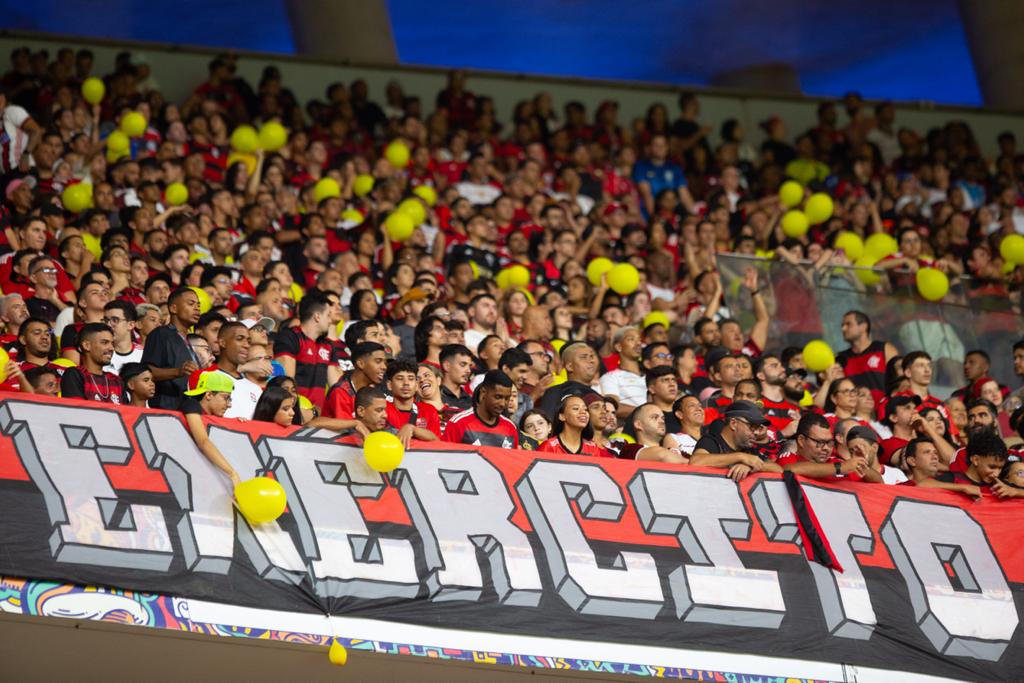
[478, 194]
[13, 139]
[118, 360]
[629, 387]
[893, 475]
[244, 397]
[684, 442]
[473, 339]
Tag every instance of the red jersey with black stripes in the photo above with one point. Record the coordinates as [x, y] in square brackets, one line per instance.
[867, 368]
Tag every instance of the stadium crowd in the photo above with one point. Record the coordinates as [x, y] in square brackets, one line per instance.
[254, 300]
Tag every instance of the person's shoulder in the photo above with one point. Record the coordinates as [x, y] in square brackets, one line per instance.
[460, 416]
[502, 420]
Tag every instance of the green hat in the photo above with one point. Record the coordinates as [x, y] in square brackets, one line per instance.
[210, 381]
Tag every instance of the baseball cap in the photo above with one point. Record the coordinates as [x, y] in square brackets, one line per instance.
[862, 432]
[414, 294]
[267, 323]
[713, 357]
[203, 381]
[18, 182]
[592, 397]
[745, 410]
[901, 399]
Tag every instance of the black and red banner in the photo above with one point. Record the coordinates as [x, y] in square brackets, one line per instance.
[515, 542]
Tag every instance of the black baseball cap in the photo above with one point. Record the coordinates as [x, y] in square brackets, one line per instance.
[745, 410]
[862, 432]
[901, 399]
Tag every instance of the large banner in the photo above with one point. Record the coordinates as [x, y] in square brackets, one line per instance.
[514, 542]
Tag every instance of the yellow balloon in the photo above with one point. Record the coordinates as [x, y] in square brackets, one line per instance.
[656, 318]
[133, 124]
[273, 136]
[932, 283]
[818, 356]
[414, 209]
[337, 653]
[624, 278]
[397, 154]
[260, 499]
[245, 139]
[791, 193]
[324, 188]
[93, 90]
[400, 226]
[205, 304]
[76, 198]
[114, 157]
[352, 216]
[60, 362]
[795, 223]
[819, 208]
[802, 170]
[516, 276]
[4, 360]
[880, 245]
[851, 244]
[868, 277]
[426, 193]
[363, 185]
[176, 194]
[118, 142]
[598, 267]
[621, 436]
[239, 157]
[1012, 249]
[560, 377]
[383, 451]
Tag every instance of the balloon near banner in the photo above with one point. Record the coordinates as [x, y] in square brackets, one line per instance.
[273, 136]
[133, 124]
[932, 283]
[819, 208]
[413, 208]
[818, 356]
[176, 194]
[851, 244]
[245, 139]
[624, 278]
[205, 303]
[118, 142]
[656, 318]
[426, 193]
[325, 188]
[383, 451]
[400, 226]
[77, 198]
[93, 90]
[261, 499]
[397, 154]
[352, 216]
[337, 654]
[363, 185]
[795, 223]
[868, 277]
[880, 245]
[1012, 249]
[791, 193]
[598, 267]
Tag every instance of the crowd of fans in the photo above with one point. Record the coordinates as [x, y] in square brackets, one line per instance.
[253, 300]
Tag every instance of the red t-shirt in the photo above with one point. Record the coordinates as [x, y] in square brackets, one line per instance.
[422, 415]
[890, 446]
[555, 445]
[466, 427]
[341, 400]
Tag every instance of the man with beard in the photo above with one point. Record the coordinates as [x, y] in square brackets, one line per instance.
[88, 380]
[981, 419]
[726, 447]
[864, 361]
[646, 426]
[167, 353]
[581, 370]
[36, 341]
[781, 410]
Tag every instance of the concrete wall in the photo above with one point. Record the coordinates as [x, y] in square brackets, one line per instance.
[178, 70]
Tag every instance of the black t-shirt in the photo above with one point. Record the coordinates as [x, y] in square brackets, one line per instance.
[166, 348]
[712, 442]
[190, 406]
[41, 308]
[672, 423]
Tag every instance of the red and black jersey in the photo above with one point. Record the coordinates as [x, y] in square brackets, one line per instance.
[341, 400]
[312, 358]
[69, 337]
[867, 368]
[105, 388]
[422, 415]
[467, 427]
[779, 413]
[555, 445]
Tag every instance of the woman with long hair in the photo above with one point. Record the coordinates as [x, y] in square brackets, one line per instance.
[276, 405]
[363, 305]
[428, 385]
[573, 433]
[428, 338]
[513, 305]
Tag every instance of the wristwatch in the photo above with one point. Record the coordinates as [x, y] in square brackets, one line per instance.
[839, 469]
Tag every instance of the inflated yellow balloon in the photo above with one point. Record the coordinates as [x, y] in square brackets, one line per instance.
[819, 208]
[795, 223]
[851, 244]
[176, 194]
[383, 451]
[426, 193]
[400, 226]
[260, 499]
[1012, 249]
[205, 304]
[560, 377]
[245, 139]
[118, 142]
[516, 276]
[818, 356]
[598, 267]
[4, 360]
[93, 90]
[397, 154]
[324, 188]
[76, 198]
[868, 277]
[133, 124]
[273, 136]
[804, 170]
[791, 193]
[414, 209]
[932, 283]
[880, 245]
[337, 653]
[656, 318]
[363, 185]
[623, 278]
[60, 362]
[352, 216]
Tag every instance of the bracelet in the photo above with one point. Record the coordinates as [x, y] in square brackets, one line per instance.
[755, 292]
[839, 469]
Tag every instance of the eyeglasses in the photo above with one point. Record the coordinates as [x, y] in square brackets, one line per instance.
[662, 356]
[113, 321]
[47, 271]
[819, 443]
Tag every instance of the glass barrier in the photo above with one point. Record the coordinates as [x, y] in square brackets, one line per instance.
[807, 302]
